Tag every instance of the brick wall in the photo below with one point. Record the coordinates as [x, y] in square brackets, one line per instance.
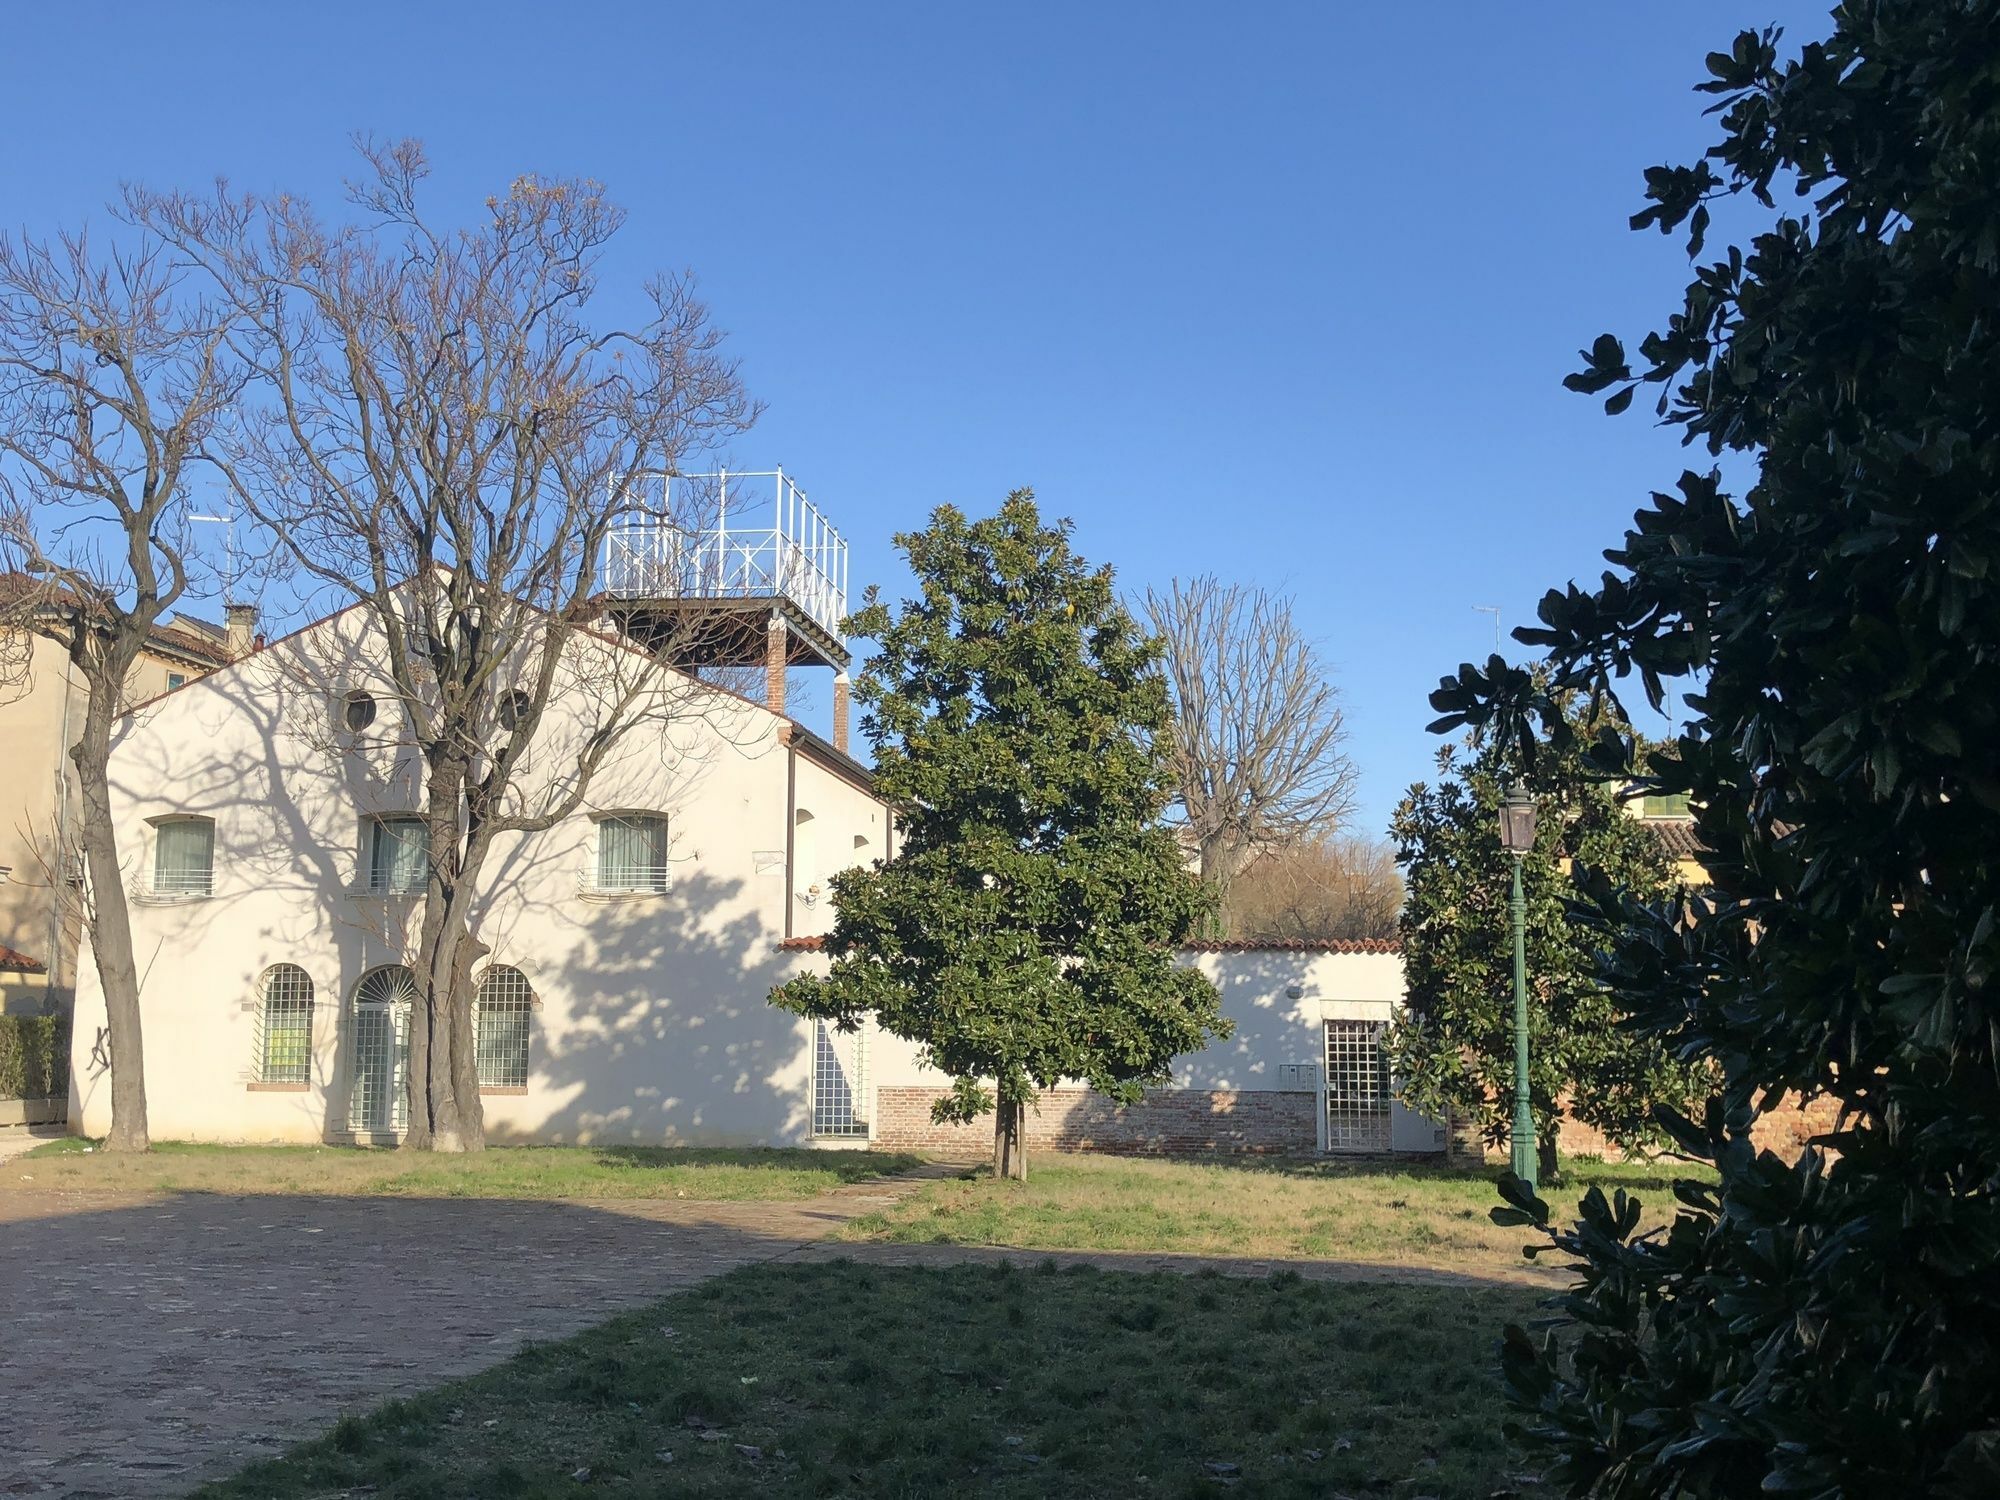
[1784, 1130]
[1175, 1122]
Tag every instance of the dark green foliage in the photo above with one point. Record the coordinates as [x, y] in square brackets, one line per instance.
[1831, 1327]
[1024, 931]
[34, 1057]
[1454, 1047]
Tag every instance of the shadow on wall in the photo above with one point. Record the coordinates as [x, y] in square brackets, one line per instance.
[668, 1035]
[651, 1023]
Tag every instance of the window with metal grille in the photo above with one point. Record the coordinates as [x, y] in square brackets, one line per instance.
[632, 852]
[184, 857]
[840, 1082]
[397, 849]
[284, 1025]
[500, 1019]
[1357, 1086]
[378, 1103]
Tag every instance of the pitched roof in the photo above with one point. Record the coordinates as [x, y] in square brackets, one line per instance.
[1209, 945]
[1677, 837]
[178, 635]
[12, 960]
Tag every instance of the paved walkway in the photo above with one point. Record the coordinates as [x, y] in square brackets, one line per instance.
[149, 1343]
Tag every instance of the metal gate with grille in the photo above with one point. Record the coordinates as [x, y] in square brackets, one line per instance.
[840, 1082]
[1357, 1086]
[379, 1104]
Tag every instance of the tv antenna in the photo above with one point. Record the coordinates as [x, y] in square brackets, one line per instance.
[1484, 609]
[229, 575]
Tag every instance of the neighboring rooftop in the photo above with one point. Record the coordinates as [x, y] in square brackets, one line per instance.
[179, 635]
[13, 961]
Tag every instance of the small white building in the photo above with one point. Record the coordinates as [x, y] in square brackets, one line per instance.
[633, 945]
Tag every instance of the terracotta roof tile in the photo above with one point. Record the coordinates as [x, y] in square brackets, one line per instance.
[14, 961]
[1677, 837]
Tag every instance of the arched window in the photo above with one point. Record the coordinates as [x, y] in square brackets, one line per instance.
[284, 1025]
[500, 1018]
[379, 1103]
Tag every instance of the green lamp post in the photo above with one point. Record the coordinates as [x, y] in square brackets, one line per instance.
[1517, 837]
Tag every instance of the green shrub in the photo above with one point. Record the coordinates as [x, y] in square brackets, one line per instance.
[34, 1057]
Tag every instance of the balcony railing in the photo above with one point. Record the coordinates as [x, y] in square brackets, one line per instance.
[727, 536]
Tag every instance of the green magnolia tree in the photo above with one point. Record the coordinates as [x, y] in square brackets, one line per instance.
[1829, 1327]
[1453, 1048]
[1025, 931]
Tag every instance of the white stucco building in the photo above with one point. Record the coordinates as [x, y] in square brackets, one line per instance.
[632, 945]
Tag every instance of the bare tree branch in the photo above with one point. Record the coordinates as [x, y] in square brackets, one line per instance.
[1258, 736]
[115, 375]
[443, 436]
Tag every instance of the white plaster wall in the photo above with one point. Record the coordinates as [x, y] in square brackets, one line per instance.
[1273, 1026]
[652, 1022]
[836, 824]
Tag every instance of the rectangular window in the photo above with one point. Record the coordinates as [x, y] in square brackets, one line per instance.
[176, 679]
[396, 855]
[632, 853]
[184, 857]
[1357, 1086]
[840, 1082]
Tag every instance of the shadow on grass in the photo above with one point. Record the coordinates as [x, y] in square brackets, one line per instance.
[847, 1166]
[852, 1379]
[1579, 1176]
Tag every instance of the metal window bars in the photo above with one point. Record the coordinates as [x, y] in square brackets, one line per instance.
[284, 1026]
[1357, 1086]
[840, 1082]
[501, 1014]
[379, 1104]
[184, 857]
[722, 536]
[631, 854]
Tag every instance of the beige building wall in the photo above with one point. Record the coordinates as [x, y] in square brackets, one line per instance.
[651, 1022]
[41, 705]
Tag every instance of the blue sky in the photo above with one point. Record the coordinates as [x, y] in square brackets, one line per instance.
[1281, 292]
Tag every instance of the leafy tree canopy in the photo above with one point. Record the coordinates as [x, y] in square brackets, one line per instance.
[1454, 1046]
[1024, 931]
[1830, 1327]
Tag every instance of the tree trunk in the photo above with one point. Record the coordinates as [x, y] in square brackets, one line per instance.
[1010, 1141]
[111, 924]
[445, 1112]
[1545, 1154]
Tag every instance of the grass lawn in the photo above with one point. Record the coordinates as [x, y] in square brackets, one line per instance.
[498, 1172]
[1385, 1214]
[846, 1379]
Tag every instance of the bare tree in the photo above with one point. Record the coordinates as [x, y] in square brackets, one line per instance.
[443, 437]
[113, 378]
[1316, 890]
[1258, 734]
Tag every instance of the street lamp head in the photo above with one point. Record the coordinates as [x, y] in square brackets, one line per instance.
[1517, 820]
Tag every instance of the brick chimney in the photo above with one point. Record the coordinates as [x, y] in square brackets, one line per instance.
[774, 663]
[840, 712]
[239, 632]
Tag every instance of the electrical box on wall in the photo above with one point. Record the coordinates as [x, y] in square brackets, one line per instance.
[1298, 1075]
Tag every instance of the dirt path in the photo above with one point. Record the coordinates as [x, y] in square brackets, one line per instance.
[877, 1252]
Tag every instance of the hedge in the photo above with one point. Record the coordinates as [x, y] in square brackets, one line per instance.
[34, 1057]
